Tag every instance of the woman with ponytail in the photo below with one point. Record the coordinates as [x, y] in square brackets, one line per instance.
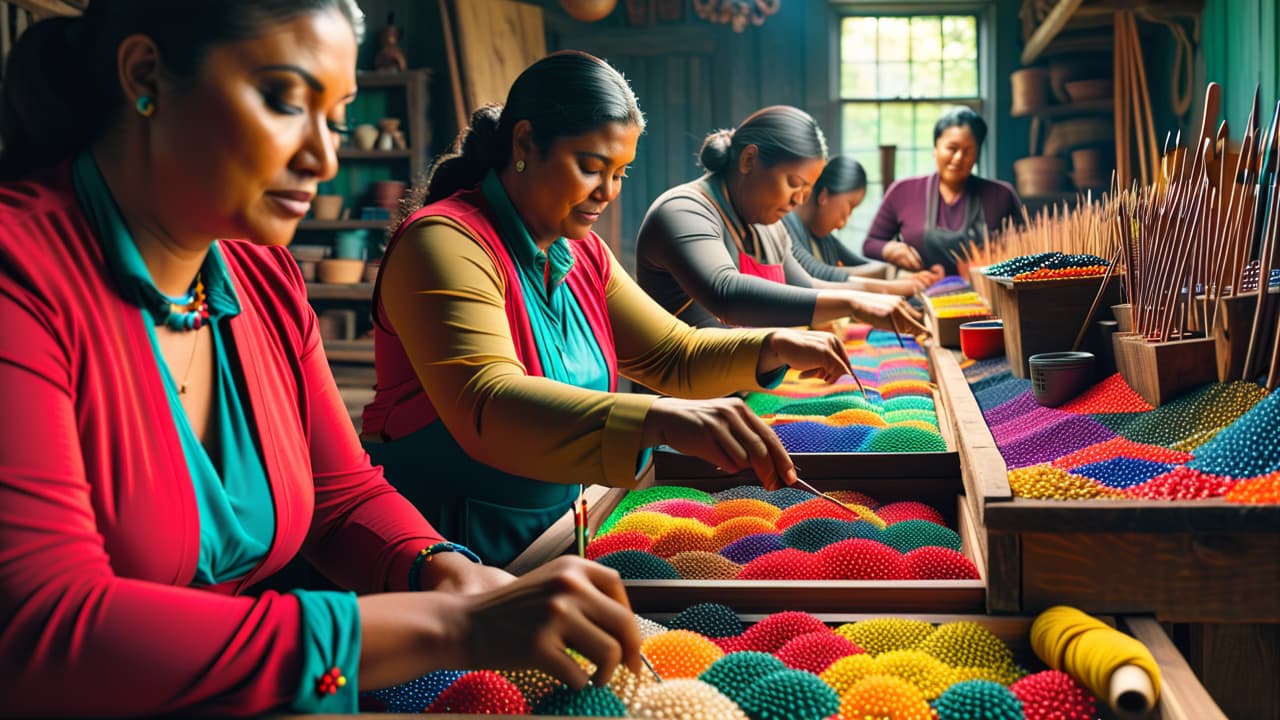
[503, 323]
[714, 251]
[172, 433]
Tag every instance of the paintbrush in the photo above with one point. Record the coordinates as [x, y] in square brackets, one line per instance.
[802, 485]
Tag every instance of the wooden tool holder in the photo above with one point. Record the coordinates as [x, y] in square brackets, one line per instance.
[1231, 330]
[1160, 372]
[1045, 315]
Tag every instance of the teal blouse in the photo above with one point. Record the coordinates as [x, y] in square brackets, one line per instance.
[236, 510]
[566, 346]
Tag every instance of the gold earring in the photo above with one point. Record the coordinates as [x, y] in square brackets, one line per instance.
[519, 166]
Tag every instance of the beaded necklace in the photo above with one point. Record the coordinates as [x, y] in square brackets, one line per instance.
[189, 312]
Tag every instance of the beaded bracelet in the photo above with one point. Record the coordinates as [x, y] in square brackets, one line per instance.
[424, 555]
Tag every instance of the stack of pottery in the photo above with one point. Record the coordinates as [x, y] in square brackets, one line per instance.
[1030, 91]
[1039, 174]
[1087, 169]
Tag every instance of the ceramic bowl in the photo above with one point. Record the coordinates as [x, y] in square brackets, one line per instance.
[1057, 377]
[982, 339]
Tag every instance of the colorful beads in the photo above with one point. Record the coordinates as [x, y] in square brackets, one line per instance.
[1248, 447]
[1112, 395]
[1181, 483]
[908, 535]
[978, 700]
[773, 632]
[790, 695]
[590, 701]
[1045, 482]
[814, 652]
[939, 563]
[1265, 489]
[683, 699]
[636, 565]
[859, 559]
[710, 619]
[415, 695]
[330, 682]
[737, 671]
[618, 540]
[680, 653]
[882, 635]
[483, 692]
[967, 644]
[1122, 472]
[1053, 695]
[787, 564]
[883, 697]
[699, 565]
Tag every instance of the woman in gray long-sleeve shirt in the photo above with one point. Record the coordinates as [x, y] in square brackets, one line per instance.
[714, 252]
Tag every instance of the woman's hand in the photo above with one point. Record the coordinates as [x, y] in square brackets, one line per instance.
[902, 255]
[815, 354]
[887, 312]
[725, 433]
[530, 622]
[451, 572]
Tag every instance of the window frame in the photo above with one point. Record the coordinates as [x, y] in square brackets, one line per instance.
[984, 12]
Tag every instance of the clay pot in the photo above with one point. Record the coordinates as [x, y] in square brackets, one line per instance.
[340, 271]
[337, 324]
[588, 10]
[1039, 175]
[1030, 89]
[386, 194]
[387, 129]
[308, 268]
[326, 207]
[309, 253]
[365, 136]
[371, 271]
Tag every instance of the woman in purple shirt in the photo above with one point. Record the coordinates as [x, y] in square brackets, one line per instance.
[922, 219]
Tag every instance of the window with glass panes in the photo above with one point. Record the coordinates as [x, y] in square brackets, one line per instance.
[898, 74]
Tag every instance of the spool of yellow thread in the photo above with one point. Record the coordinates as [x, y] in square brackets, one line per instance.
[1109, 663]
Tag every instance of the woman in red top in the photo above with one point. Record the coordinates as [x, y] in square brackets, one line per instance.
[172, 434]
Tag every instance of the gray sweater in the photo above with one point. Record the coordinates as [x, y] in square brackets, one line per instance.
[686, 259]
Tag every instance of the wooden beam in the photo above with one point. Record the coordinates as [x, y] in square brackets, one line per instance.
[49, 8]
[1049, 29]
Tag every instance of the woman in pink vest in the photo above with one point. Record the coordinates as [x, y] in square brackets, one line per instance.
[171, 434]
[503, 323]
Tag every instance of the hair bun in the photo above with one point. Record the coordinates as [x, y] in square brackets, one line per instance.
[714, 155]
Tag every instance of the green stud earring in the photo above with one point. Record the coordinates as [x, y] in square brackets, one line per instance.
[145, 106]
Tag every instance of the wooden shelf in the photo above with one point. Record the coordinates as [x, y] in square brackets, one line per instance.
[356, 351]
[329, 291]
[348, 153]
[384, 78]
[343, 225]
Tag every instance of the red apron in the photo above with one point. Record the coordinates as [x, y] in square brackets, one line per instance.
[747, 263]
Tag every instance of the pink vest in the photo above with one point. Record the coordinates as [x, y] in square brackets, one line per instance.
[400, 405]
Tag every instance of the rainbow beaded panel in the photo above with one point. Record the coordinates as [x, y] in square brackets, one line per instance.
[1218, 440]
[788, 666]
[896, 415]
[749, 533]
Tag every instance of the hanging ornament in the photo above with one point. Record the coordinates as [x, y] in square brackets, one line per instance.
[588, 10]
[736, 13]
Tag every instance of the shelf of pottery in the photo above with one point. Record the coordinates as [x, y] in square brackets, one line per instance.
[1072, 143]
[339, 246]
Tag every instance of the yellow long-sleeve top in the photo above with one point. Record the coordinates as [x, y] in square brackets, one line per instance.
[444, 296]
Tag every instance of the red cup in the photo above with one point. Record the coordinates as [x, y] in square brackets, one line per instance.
[982, 339]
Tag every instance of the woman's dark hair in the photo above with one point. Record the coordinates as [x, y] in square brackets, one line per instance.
[62, 91]
[564, 94]
[781, 133]
[962, 117]
[841, 175]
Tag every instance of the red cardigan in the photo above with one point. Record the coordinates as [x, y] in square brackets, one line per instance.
[98, 520]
